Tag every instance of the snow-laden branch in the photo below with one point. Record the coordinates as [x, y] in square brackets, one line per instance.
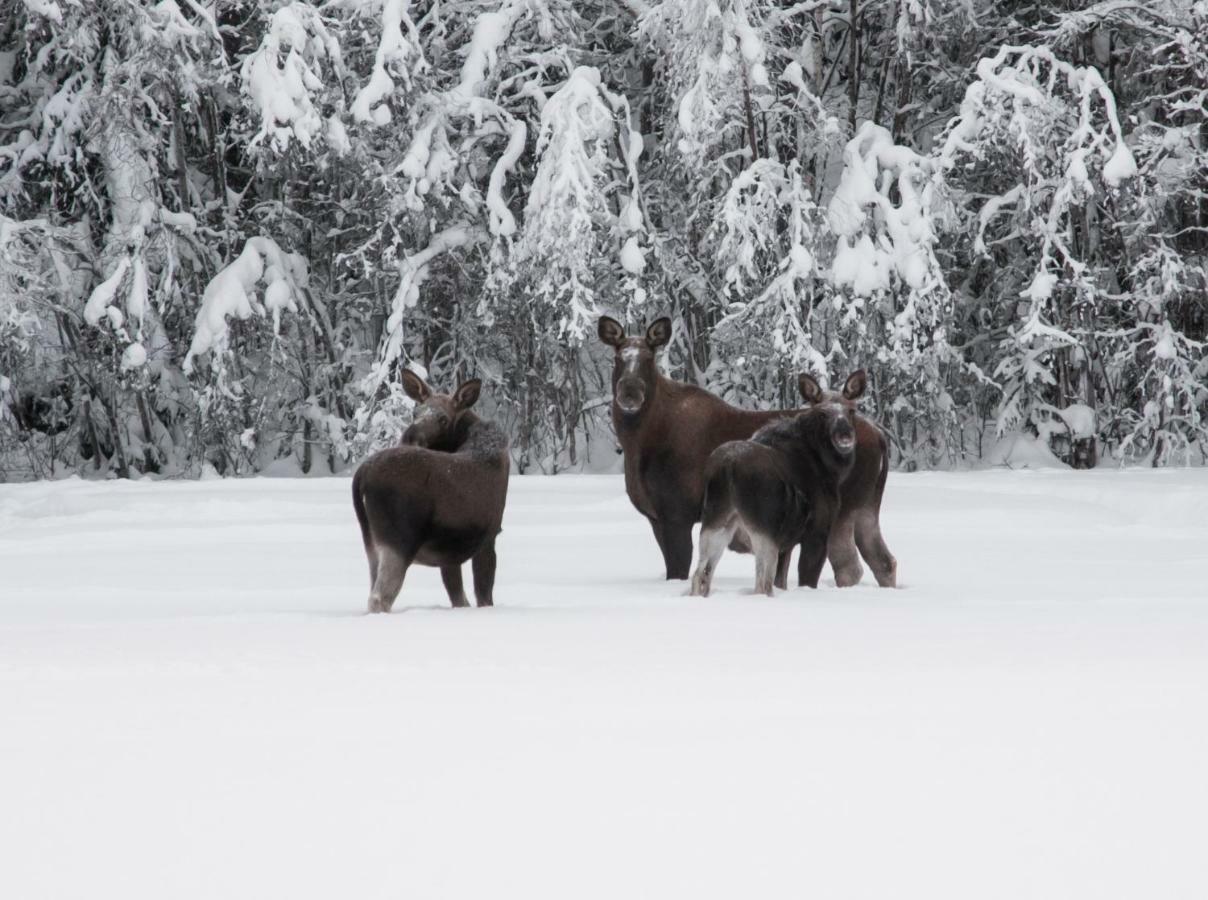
[716, 62]
[898, 242]
[48, 8]
[1060, 123]
[394, 48]
[502, 221]
[430, 159]
[567, 197]
[231, 293]
[413, 272]
[282, 90]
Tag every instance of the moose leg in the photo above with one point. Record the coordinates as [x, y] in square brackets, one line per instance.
[677, 547]
[451, 576]
[782, 569]
[813, 555]
[657, 527]
[842, 551]
[483, 566]
[767, 560]
[713, 542]
[873, 549]
[371, 554]
[391, 569]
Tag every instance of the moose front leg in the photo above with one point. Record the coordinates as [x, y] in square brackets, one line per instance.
[677, 547]
[841, 548]
[483, 567]
[813, 555]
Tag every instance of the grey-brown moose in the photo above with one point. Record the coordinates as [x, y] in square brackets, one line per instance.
[437, 499]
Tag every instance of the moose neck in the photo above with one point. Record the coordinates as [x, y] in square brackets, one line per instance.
[806, 443]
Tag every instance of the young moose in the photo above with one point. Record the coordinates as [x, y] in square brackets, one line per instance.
[781, 488]
[437, 499]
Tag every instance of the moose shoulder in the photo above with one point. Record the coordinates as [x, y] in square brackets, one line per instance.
[667, 430]
[437, 499]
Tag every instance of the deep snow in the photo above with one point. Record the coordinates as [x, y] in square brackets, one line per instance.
[192, 703]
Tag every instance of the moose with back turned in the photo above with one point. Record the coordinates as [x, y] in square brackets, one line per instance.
[437, 499]
[668, 430]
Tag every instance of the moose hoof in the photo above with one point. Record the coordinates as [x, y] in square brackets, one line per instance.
[848, 577]
[890, 578]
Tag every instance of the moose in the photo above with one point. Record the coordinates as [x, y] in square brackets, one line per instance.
[780, 489]
[858, 523]
[668, 429]
[437, 499]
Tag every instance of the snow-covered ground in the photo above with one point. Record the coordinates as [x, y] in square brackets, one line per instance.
[193, 704]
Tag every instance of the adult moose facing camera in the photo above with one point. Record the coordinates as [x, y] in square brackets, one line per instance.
[781, 488]
[667, 430]
[437, 499]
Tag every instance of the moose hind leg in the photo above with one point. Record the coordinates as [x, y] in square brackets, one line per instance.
[371, 555]
[451, 576]
[391, 570]
[767, 561]
[874, 550]
[483, 567]
[841, 548]
[713, 542]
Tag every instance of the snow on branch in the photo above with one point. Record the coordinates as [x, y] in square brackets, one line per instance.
[767, 229]
[717, 59]
[880, 241]
[413, 272]
[282, 90]
[567, 197]
[1059, 125]
[393, 50]
[502, 221]
[430, 159]
[48, 8]
[231, 293]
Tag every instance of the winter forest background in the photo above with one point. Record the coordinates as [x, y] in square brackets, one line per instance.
[225, 226]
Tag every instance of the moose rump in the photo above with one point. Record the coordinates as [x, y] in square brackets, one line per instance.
[750, 505]
[434, 507]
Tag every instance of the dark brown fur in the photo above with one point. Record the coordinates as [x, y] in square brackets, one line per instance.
[437, 500]
[858, 524]
[667, 433]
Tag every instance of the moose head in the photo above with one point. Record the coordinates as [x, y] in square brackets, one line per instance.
[634, 373]
[438, 417]
[840, 406]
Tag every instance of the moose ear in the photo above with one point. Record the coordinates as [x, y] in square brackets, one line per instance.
[415, 387]
[467, 393]
[853, 388]
[658, 333]
[611, 331]
[811, 391]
